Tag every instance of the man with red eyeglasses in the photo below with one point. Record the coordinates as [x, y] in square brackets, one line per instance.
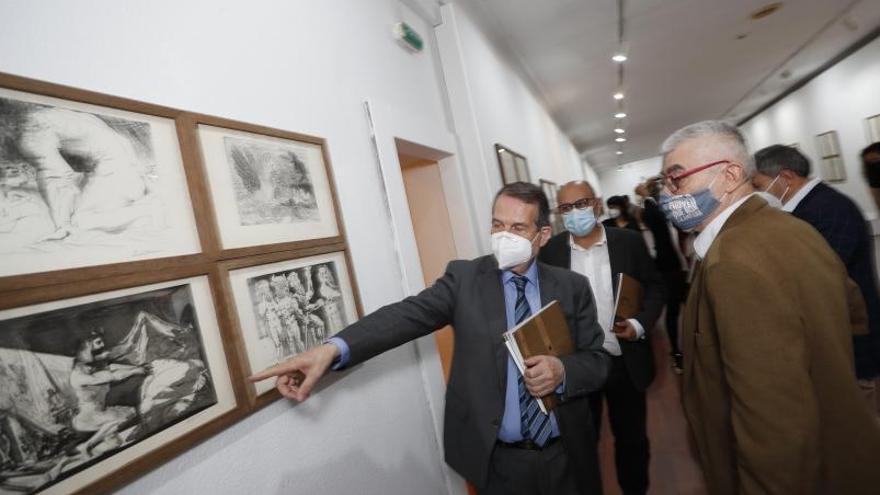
[769, 388]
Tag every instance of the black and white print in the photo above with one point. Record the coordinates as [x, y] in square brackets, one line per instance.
[271, 182]
[297, 309]
[82, 383]
[81, 188]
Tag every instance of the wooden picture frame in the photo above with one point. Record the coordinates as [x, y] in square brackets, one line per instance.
[551, 189]
[872, 129]
[514, 166]
[239, 162]
[832, 165]
[135, 446]
[240, 280]
[150, 197]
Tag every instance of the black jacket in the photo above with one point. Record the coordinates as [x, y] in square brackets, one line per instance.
[841, 223]
[470, 297]
[628, 254]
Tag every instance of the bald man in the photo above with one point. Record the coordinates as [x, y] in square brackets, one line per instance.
[601, 254]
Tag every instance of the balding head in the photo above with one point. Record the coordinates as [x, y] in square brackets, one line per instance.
[575, 189]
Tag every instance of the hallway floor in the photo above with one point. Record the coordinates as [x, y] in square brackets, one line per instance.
[673, 469]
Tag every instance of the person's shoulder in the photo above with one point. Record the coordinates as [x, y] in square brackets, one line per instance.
[481, 263]
[560, 274]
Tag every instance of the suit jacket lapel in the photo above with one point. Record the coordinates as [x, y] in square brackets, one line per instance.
[492, 295]
[615, 258]
[548, 285]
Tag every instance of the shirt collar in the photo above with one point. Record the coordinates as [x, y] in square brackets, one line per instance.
[602, 240]
[531, 273]
[800, 195]
[704, 240]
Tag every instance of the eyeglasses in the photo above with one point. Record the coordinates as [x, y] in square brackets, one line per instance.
[672, 180]
[580, 204]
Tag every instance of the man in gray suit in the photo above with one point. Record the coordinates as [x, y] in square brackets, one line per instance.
[495, 435]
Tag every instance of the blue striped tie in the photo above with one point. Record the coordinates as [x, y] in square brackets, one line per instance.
[534, 423]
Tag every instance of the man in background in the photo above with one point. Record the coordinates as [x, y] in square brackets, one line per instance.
[784, 172]
[601, 254]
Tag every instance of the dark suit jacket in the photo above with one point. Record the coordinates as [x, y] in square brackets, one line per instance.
[628, 254]
[768, 386]
[469, 296]
[667, 260]
[841, 223]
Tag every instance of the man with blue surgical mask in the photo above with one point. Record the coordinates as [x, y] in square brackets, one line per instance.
[601, 253]
[769, 388]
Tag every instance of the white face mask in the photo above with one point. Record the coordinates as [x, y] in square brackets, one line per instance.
[510, 249]
[771, 199]
[613, 213]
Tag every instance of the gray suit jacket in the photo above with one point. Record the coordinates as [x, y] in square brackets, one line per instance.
[469, 296]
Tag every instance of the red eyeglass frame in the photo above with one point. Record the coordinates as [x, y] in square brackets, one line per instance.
[671, 180]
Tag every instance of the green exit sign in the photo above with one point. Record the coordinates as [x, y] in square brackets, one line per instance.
[408, 37]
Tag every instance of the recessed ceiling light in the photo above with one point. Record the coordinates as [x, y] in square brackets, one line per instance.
[621, 140]
[618, 95]
[620, 115]
[619, 130]
[618, 152]
[619, 57]
[765, 11]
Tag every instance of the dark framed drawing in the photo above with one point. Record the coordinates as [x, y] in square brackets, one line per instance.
[514, 167]
[271, 190]
[95, 389]
[87, 180]
[550, 190]
[284, 307]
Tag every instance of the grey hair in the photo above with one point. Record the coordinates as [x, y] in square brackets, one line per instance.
[730, 135]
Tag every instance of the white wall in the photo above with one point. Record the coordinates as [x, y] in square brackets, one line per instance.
[840, 99]
[491, 104]
[309, 66]
[624, 181]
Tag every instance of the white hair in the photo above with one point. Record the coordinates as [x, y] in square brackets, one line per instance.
[729, 136]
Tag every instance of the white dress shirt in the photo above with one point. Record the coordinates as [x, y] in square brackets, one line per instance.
[800, 195]
[595, 264]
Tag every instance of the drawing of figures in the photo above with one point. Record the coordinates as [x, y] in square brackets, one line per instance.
[272, 183]
[289, 311]
[333, 306]
[314, 327]
[80, 383]
[268, 319]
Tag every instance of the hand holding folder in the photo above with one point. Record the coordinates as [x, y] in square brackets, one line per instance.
[627, 304]
[544, 333]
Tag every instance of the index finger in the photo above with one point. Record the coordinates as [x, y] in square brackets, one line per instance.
[278, 369]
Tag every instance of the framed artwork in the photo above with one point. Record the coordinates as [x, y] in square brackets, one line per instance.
[833, 168]
[97, 388]
[271, 190]
[287, 303]
[551, 190]
[514, 167]
[86, 180]
[873, 128]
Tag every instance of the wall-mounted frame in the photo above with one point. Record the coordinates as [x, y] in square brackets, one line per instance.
[833, 168]
[551, 190]
[282, 304]
[872, 125]
[105, 379]
[88, 179]
[270, 190]
[514, 166]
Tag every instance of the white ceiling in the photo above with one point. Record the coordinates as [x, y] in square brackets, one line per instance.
[685, 61]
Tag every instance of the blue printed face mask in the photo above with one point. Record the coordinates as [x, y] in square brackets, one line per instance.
[687, 211]
[580, 222]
